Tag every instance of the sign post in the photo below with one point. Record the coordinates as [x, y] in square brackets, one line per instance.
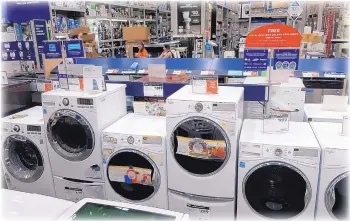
[294, 11]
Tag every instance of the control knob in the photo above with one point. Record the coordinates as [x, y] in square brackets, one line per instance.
[278, 152]
[16, 128]
[130, 140]
[65, 101]
[198, 107]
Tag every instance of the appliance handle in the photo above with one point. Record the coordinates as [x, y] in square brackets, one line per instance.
[332, 198]
[201, 198]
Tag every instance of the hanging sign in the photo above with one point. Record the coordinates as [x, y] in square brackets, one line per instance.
[52, 50]
[74, 49]
[294, 10]
[189, 17]
[255, 60]
[286, 59]
[273, 36]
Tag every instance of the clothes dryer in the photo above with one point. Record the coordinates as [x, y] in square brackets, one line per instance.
[277, 172]
[25, 159]
[202, 135]
[333, 192]
[134, 157]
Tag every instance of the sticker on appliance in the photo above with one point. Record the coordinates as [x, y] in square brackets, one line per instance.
[198, 212]
[130, 174]
[204, 149]
[151, 140]
[73, 194]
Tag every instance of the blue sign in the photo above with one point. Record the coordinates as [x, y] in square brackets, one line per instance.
[207, 47]
[255, 60]
[28, 50]
[52, 49]
[286, 59]
[17, 51]
[23, 11]
[40, 36]
[74, 49]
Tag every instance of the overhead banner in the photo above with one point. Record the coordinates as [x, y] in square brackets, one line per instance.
[255, 60]
[74, 49]
[273, 36]
[24, 11]
[189, 17]
[52, 50]
[40, 35]
[286, 59]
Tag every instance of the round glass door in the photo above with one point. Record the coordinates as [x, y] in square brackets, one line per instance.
[200, 146]
[276, 190]
[337, 197]
[22, 159]
[133, 175]
[70, 135]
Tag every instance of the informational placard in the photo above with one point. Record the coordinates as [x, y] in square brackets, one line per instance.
[44, 85]
[294, 10]
[275, 122]
[345, 126]
[93, 79]
[153, 89]
[52, 50]
[335, 103]
[156, 71]
[63, 81]
[189, 17]
[286, 59]
[74, 49]
[205, 84]
[40, 35]
[208, 72]
[273, 36]
[255, 60]
[198, 212]
[279, 76]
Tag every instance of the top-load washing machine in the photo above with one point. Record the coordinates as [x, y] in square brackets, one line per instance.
[134, 158]
[277, 172]
[25, 159]
[74, 122]
[333, 192]
[202, 135]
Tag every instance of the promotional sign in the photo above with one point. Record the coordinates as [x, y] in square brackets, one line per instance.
[74, 49]
[255, 60]
[52, 50]
[205, 84]
[23, 11]
[189, 17]
[18, 51]
[286, 59]
[294, 10]
[40, 35]
[273, 36]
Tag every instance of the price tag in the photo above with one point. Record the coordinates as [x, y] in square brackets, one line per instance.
[55, 84]
[276, 123]
[205, 84]
[345, 126]
[153, 89]
[63, 81]
[198, 212]
[44, 85]
[207, 72]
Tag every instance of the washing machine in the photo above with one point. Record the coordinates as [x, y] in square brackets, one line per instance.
[315, 113]
[202, 140]
[25, 160]
[277, 172]
[333, 191]
[74, 122]
[134, 159]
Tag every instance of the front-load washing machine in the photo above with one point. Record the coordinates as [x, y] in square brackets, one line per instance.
[74, 122]
[202, 140]
[333, 191]
[134, 158]
[25, 160]
[277, 172]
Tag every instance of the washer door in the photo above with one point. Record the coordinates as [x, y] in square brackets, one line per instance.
[22, 159]
[199, 129]
[337, 197]
[276, 190]
[134, 191]
[70, 135]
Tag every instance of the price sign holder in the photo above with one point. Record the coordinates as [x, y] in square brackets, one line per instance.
[205, 84]
[276, 122]
[153, 90]
[345, 126]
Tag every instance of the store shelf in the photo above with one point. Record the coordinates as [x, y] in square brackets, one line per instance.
[67, 9]
[269, 16]
[97, 17]
[339, 41]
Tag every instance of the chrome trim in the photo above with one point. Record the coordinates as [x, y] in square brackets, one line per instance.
[156, 179]
[56, 147]
[10, 159]
[204, 199]
[329, 197]
[308, 191]
[227, 141]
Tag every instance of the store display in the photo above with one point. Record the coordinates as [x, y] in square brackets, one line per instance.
[201, 117]
[286, 167]
[74, 121]
[333, 192]
[134, 159]
[25, 157]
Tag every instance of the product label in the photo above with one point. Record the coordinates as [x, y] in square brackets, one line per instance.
[204, 149]
[152, 140]
[130, 174]
[73, 194]
[153, 89]
[198, 212]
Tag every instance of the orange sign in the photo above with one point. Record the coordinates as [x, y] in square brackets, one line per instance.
[212, 86]
[273, 36]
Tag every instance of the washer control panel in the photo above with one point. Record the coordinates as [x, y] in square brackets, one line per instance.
[200, 107]
[277, 151]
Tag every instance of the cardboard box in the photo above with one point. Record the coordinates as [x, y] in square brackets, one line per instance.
[89, 37]
[80, 30]
[315, 38]
[136, 33]
[305, 37]
[90, 44]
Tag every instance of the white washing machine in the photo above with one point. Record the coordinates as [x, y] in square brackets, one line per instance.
[134, 158]
[74, 122]
[315, 113]
[202, 140]
[333, 191]
[277, 172]
[25, 159]
[287, 96]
